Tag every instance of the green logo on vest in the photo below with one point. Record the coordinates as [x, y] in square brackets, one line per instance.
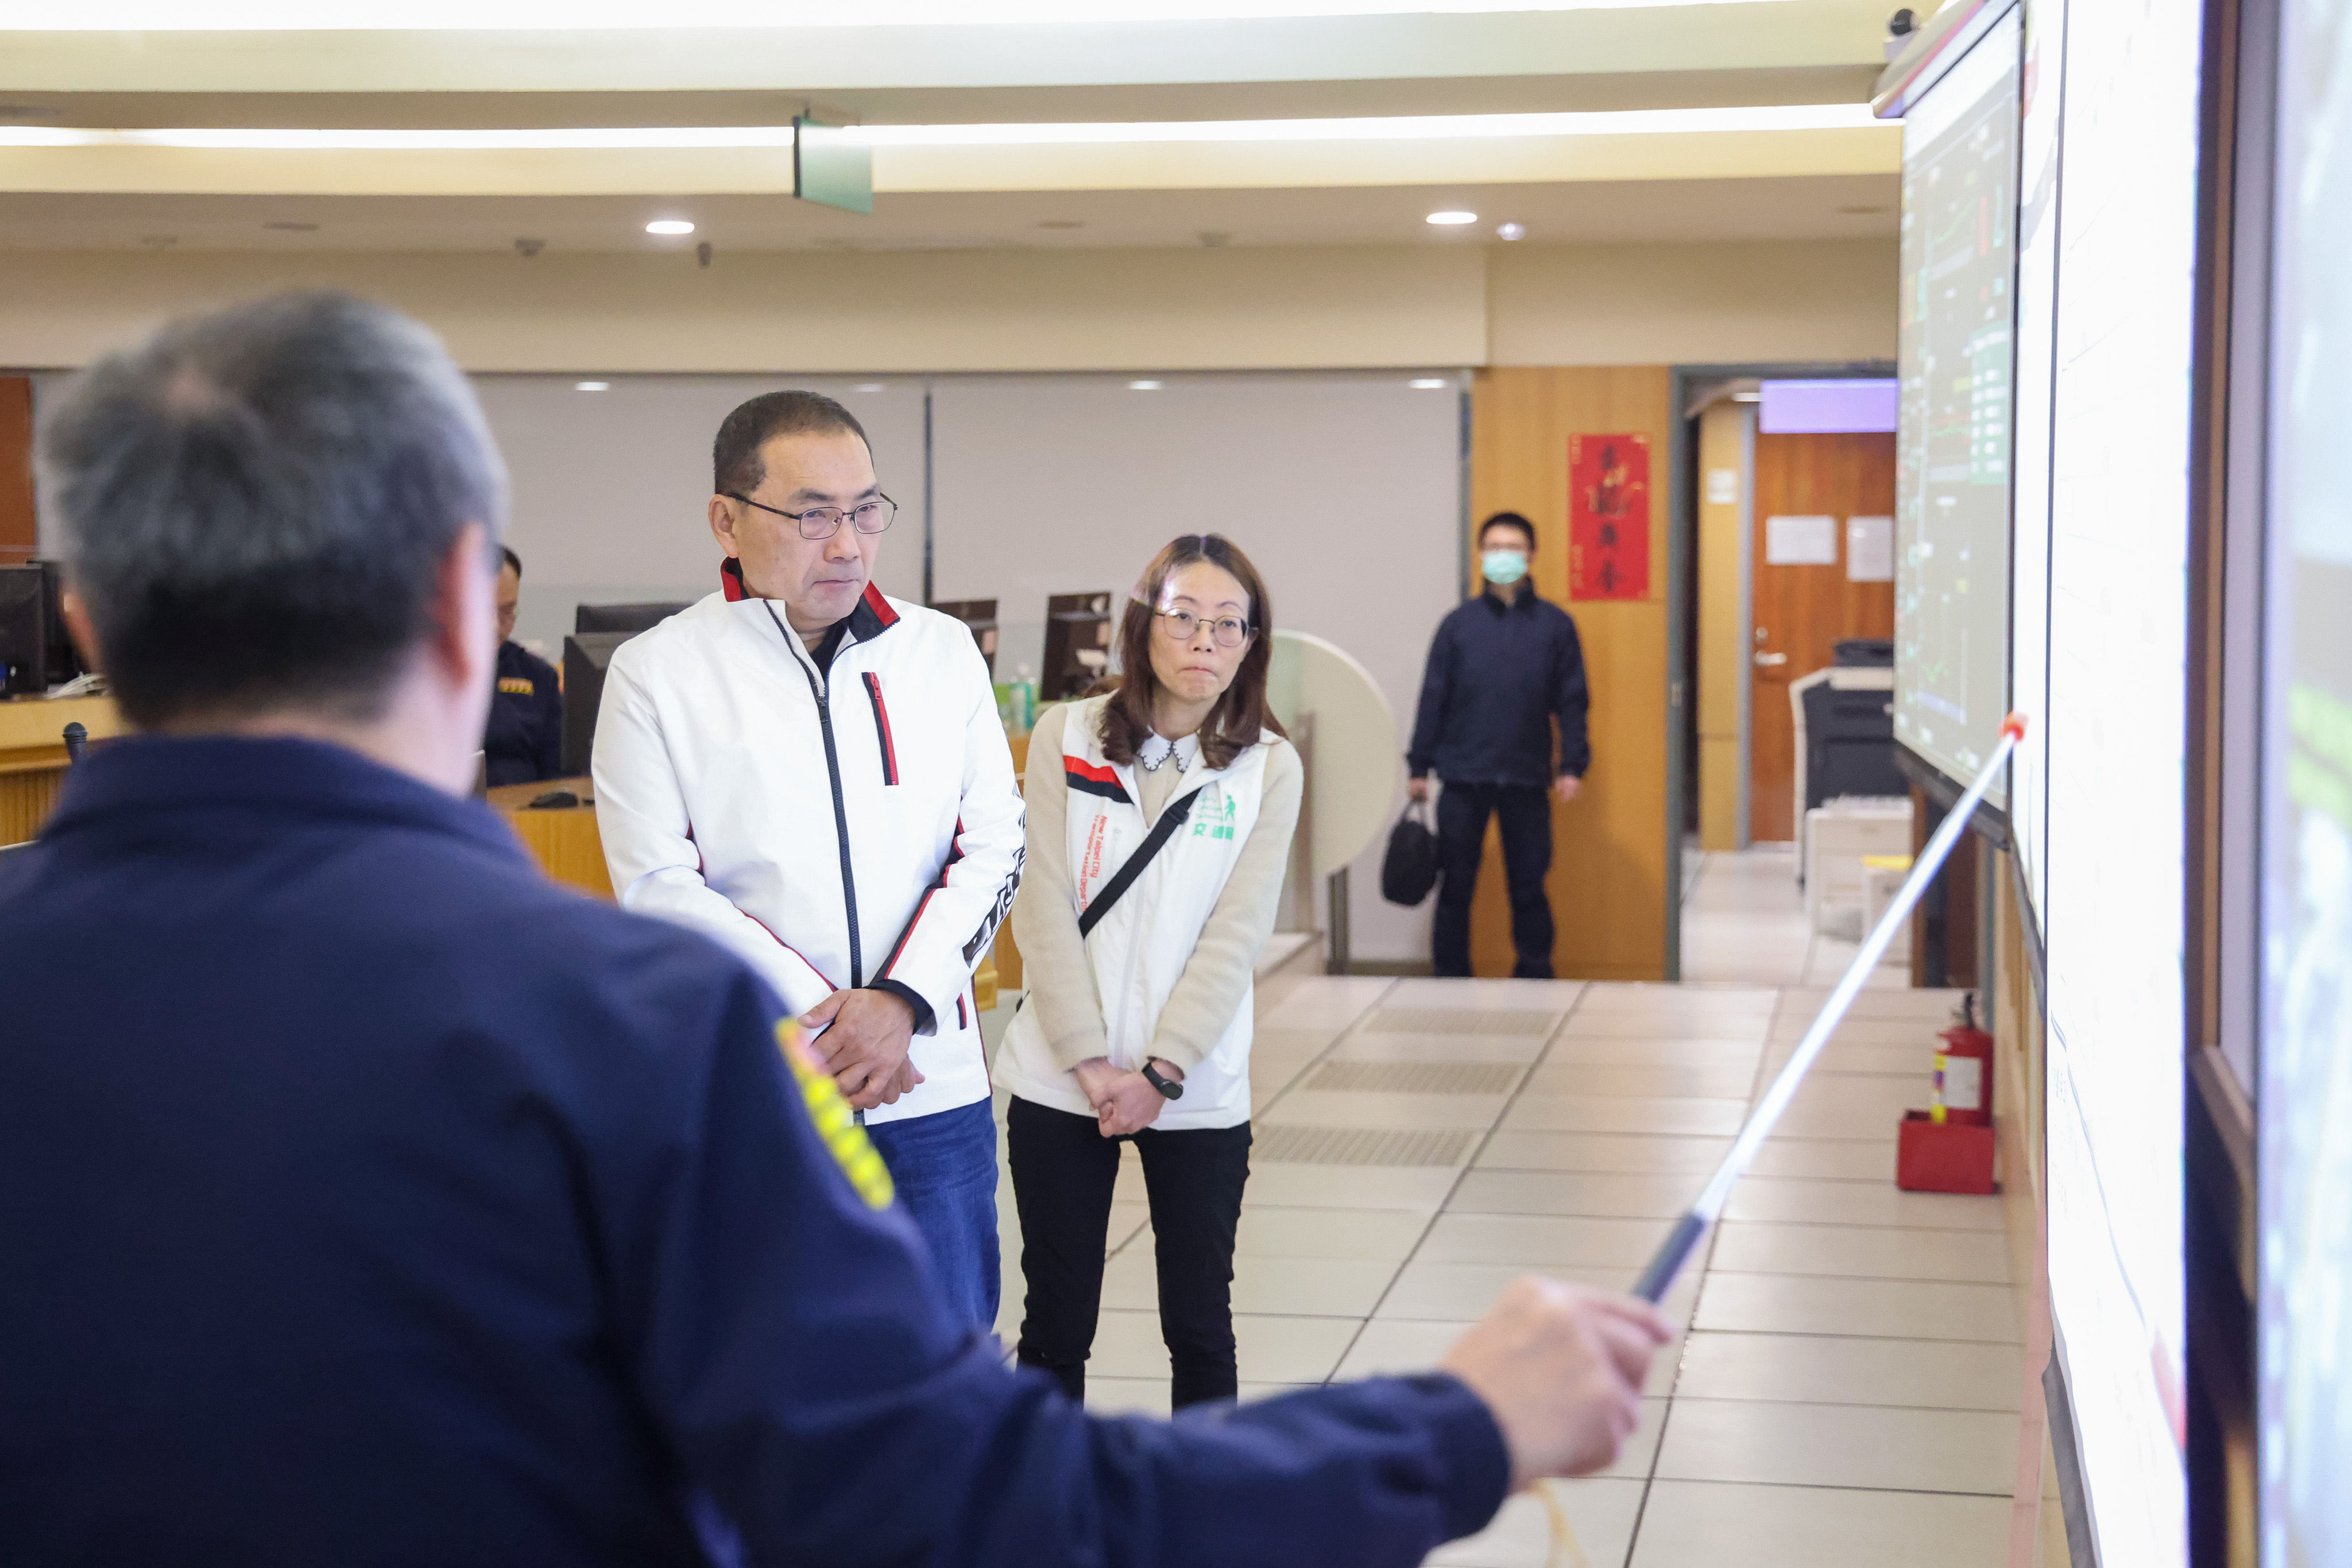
[1208, 825]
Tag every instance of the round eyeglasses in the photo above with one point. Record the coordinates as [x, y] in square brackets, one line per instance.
[824, 522]
[1179, 626]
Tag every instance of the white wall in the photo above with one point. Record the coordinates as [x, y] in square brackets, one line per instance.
[1343, 488]
[610, 488]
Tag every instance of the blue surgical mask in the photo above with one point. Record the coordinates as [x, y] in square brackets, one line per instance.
[1503, 566]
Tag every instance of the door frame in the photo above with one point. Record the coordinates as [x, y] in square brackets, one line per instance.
[1682, 604]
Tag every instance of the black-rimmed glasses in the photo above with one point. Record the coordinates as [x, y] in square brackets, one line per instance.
[824, 522]
[1180, 625]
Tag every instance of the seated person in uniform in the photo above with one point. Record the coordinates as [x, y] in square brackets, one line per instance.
[522, 741]
[371, 1200]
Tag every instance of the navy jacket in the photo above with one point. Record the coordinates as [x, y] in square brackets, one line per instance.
[522, 738]
[367, 1199]
[1498, 674]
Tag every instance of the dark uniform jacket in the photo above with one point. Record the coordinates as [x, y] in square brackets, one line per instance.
[367, 1199]
[524, 735]
[1498, 674]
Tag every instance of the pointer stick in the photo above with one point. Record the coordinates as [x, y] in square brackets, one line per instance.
[1659, 1277]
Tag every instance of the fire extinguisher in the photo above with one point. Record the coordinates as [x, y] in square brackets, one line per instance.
[1963, 1093]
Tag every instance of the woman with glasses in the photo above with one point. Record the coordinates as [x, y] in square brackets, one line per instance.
[1159, 820]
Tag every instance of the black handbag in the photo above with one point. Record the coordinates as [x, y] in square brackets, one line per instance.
[1408, 870]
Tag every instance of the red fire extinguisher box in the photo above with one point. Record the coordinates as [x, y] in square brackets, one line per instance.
[1951, 1157]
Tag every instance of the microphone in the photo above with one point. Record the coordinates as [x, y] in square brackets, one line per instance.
[77, 743]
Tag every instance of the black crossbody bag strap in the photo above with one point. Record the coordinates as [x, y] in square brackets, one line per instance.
[1156, 839]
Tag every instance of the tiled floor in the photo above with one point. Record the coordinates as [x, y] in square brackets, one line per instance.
[1843, 1394]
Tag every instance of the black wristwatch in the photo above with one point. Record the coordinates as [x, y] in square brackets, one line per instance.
[1167, 1086]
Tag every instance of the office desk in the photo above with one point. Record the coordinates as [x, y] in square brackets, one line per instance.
[563, 841]
[33, 755]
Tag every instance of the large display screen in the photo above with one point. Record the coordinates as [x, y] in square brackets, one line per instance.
[2037, 347]
[1952, 452]
[2113, 851]
[2305, 1091]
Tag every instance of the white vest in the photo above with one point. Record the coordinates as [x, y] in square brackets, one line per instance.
[1139, 947]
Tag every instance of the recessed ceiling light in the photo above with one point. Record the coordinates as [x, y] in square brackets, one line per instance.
[1452, 219]
[1511, 231]
[1143, 386]
[1431, 384]
[669, 226]
[1748, 397]
[870, 386]
[591, 386]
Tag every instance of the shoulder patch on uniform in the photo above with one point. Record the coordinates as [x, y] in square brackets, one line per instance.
[835, 1122]
[516, 685]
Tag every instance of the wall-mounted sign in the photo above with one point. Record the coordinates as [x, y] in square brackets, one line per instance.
[1608, 516]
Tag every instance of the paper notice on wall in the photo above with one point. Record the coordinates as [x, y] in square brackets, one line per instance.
[1801, 541]
[1723, 486]
[1870, 549]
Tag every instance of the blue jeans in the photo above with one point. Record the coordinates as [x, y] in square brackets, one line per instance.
[944, 1167]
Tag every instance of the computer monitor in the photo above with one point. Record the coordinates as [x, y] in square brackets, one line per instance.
[623, 617]
[979, 614]
[586, 656]
[1077, 644]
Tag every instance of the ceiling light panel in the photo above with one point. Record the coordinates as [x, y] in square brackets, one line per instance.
[533, 15]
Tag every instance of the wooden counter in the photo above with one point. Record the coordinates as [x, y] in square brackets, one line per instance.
[33, 755]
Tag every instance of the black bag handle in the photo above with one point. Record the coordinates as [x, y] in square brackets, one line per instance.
[1124, 878]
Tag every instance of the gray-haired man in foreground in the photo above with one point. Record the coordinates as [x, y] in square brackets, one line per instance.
[370, 1200]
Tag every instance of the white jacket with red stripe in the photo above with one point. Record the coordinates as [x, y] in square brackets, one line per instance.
[834, 828]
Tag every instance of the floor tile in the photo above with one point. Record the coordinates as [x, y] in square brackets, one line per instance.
[1543, 1241]
[1384, 1234]
[1600, 1511]
[1308, 1287]
[1616, 1113]
[1734, 1027]
[1910, 1060]
[1863, 1251]
[1860, 1033]
[1523, 996]
[1284, 1185]
[1577, 1192]
[1799, 1201]
[1632, 1154]
[1840, 1446]
[1464, 1292]
[1872, 1309]
[1327, 1001]
[1325, 1108]
[1643, 1051]
[1606, 997]
[1826, 1159]
[1923, 1373]
[1271, 1349]
[1702, 1524]
[1391, 1346]
[1936, 1007]
[1732, 1083]
[1517, 1049]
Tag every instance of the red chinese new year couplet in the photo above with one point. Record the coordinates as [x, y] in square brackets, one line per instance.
[1609, 516]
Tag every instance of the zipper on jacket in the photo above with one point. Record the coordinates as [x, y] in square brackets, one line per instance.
[819, 690]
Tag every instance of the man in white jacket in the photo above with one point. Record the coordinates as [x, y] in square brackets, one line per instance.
[814, 776]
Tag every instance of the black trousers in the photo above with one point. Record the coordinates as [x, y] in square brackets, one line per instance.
[1062, 1171]
[1525, 810]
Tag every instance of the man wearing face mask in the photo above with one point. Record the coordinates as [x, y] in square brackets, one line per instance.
[1502, 668]
[814, 775]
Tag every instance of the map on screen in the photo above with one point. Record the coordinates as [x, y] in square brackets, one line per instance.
[1953, 450]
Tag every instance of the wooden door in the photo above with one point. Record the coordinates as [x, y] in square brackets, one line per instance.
[1801, 610]
[17, 530]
